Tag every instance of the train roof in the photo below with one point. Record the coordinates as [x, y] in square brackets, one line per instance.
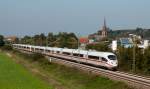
[56, 49]
[102, 54]
[67, 50]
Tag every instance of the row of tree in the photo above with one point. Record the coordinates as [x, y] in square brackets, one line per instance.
[61, 39]
[144, 33]
[134, 60]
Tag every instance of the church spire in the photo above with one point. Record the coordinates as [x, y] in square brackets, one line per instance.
[104, 29]
[104, 22]
[104, 26]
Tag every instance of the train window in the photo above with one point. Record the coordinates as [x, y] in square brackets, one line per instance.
[104, 59]
[75, 54]
[112, 57]
[66, 53]
[93, 57]
[78, 55]
[41, 49]
[47, 50]
[57, 51]
[81, 55]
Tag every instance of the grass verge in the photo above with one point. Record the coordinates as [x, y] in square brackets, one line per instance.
[14, 76]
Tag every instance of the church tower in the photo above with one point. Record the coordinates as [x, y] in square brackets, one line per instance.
[104, 32]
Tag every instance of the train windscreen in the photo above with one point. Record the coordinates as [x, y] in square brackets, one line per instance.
[112, 57]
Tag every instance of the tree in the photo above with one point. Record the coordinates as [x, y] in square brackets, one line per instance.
[27, 40]
[2, 40]
[146, 62]
[16, 41]
[99, 47]
[42, 39]
[125, 57]
[50, 39]
[36, 39]
[64, 39]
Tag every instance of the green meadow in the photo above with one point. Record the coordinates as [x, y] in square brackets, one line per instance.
[15, 76]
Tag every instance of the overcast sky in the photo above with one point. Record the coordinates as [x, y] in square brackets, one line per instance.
[28, 17]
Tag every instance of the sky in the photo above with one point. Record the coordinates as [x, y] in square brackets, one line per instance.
[83, 17]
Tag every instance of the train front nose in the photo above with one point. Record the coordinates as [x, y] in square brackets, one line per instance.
[114, 63]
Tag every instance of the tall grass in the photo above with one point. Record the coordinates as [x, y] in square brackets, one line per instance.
[14, 76]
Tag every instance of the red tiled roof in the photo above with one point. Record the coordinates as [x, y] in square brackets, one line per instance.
[84, 40]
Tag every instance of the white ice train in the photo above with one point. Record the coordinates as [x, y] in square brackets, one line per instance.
[100, 59]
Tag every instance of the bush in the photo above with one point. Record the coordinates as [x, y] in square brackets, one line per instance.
[2, 43]
[6, 47]
[36, 56]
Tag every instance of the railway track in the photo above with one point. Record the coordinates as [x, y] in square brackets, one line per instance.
[139, 82]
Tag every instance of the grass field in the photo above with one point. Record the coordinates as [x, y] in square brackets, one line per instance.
[15, 76]
[70, 78]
